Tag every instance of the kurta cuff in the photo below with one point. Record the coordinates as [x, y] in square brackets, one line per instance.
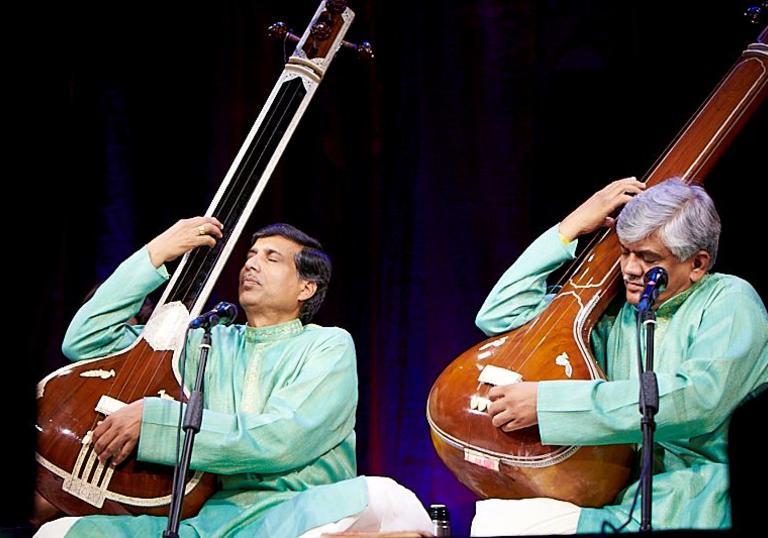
[558, 405]
[138, 268]
[157, 440]
[568, 249]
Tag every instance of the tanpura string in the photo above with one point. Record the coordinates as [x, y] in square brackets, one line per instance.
[228, 204]
[546, 320]
[141, 361]
[233, 214]
[690, 173]
[139, 386]
[239, 184]
[570, 273]
[240, 174]
[550, 323]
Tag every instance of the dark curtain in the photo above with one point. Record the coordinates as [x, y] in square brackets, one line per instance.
[424, 173]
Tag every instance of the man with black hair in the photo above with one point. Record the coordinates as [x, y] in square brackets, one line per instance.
[280, 399]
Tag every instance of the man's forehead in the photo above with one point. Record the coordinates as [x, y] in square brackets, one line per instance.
[277, 243]
[650, 244]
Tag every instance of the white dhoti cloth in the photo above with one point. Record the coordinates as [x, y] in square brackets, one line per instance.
[505, 517]
[391, 507]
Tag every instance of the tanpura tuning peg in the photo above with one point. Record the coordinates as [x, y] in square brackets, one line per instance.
[364, 50]
[278, 30]
[321, 31]
[336, 6]
[755, 13]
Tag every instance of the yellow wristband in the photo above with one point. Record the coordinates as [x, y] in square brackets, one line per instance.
[563, 240]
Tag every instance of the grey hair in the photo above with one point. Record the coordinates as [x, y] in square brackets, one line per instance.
[683, 217]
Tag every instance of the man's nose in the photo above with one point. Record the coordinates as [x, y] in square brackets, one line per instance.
[633, 266]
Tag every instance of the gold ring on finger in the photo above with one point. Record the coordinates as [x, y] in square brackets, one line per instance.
[201, 230]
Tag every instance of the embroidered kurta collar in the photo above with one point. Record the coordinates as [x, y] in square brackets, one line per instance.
[273, 332]
[671, 305]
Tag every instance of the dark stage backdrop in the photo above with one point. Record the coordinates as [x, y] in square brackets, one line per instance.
[425, 174]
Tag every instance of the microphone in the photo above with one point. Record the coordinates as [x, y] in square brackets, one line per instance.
[655, 281]
[222, 314]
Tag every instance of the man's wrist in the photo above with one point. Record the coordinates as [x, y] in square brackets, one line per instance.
[154, 258]
[565, 238]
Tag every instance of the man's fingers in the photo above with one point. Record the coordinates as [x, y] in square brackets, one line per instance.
[103, 441]
[511, 426]
[124, 452]
[495, 393]
[502, 418]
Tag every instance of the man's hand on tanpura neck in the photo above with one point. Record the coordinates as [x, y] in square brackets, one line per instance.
[182, 237]
[116, 436]
[514, 406]
[597, 210]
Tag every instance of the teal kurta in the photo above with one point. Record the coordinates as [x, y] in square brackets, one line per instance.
[711, 351]
[277, 426]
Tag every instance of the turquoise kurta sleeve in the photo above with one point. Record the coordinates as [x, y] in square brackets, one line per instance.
[725, 361]
[521, 293]
[303, 419]
[100, 326]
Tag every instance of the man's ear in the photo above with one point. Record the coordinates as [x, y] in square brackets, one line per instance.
[308, 289]
[699, 265]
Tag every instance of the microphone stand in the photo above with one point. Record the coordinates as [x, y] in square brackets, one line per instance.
[193, 418]
[649, 406]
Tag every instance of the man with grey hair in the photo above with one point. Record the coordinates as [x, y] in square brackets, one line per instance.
[712, 352]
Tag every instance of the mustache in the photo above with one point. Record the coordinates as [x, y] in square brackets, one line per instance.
[250, 278]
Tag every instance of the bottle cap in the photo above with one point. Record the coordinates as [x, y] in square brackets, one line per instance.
[438, 512]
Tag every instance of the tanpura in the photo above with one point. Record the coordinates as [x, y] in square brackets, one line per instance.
[556, 344]
[74, 398]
